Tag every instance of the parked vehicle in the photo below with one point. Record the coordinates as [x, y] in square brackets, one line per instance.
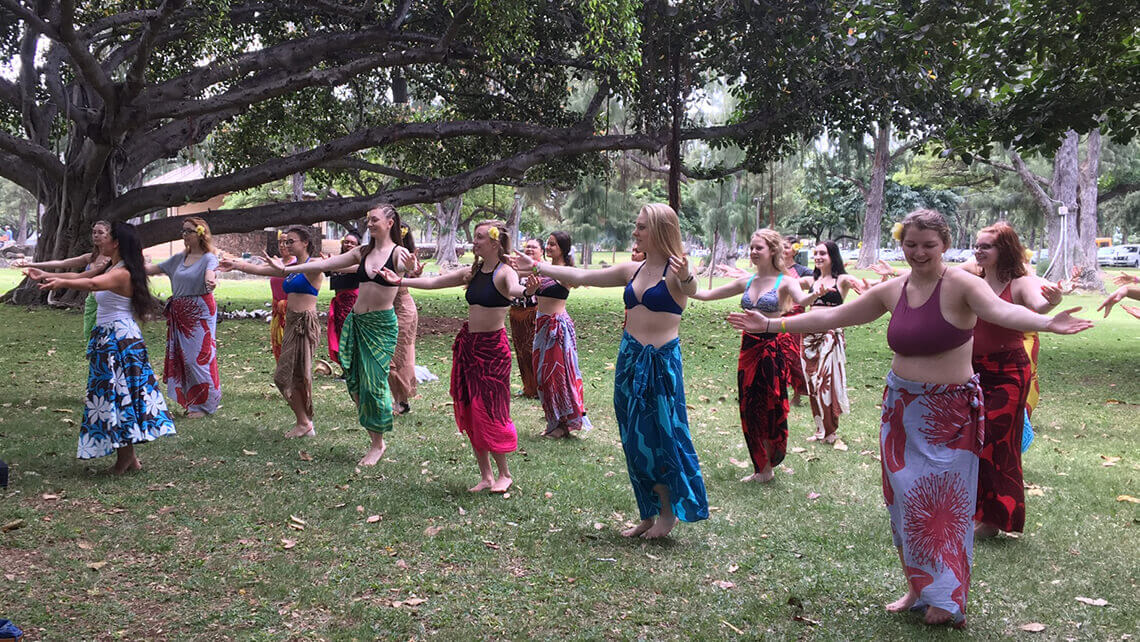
[1126, 256]
[1104, 256]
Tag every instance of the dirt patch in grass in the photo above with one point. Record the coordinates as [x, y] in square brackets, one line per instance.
[439, 325]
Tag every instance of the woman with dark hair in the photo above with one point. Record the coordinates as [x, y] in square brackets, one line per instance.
[791, 343]
[279, 298]
[824, 355]
[402, 371]
[762, 368]
[124, 405]
[649, 385]
[370, 331]
[555, 349]
[1004, 368]
[933, 414]
[191, 365]
[481, 354]
[522, 316]
[94, 262]
[345, 287]
[301, 328]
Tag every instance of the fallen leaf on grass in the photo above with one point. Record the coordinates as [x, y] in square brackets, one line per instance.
[372, 519]
[1109, 460]
[248, 453]
[432, 531]
[723, 584]
[736, 462]
[66, 411]
[491, 545]
[401, 564]
[609, 473]
[296, 527]
[1100, 601]
[96, 565]
[83, 544]
[288, 543]
[798, 450]
[732, 568]
[1033, 627]
[298, 520]
[599, 526]
[410, 602]
[12, 525]
[1127, 498]
[839, 445]
[813, 495]
[461, 511]
[305, 456]
[805, 620]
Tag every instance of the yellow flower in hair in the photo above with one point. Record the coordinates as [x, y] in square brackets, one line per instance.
[403, 230]
[1028, 254]
[896, 232]
[493, 233]
[796, 246]
[200, 230]
[280, 233]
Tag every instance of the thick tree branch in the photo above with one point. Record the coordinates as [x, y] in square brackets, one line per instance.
[859, 184]
[120, 19]
[1120, 189]
[1031, 181]
[31, 154]
[357, 164]
[1040, 180]
[10, 93]
[19, 172]
[34, 21]
[136, 76]
[166, 141]
[86, 63]
[904, 149]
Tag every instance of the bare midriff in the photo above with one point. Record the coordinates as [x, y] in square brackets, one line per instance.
[550, 306]
[949, 367]
[301, 302]
[652, 328]
[481, 318]
[372, 297]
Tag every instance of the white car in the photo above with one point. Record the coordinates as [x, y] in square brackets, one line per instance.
[1126, 256]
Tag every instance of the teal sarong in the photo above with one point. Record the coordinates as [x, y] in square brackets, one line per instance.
[367, 343]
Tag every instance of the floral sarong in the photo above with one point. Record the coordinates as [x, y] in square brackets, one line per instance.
[1033, 349]
[369, 341]
[791, 346]
[279, 305]
[191, 366]
[481, 389]
[339, 308]
[649, 404]
[522, 336]
[402, 372]
[1005, 379]
[124, 405]
[555, 358]
[824, 358]
[929, 439]
[762, 387]
[295, 366]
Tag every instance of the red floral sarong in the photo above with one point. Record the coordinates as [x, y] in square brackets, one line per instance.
[555, 358]
[1005, 379]
[339, 308]
[481, 389]
[762, 384]
[792, 347]
[191, 365]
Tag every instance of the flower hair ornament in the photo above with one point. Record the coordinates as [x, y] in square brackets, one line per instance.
[403, 230]
[200, 230]
[896, 232]
[797, 246]
[493, 233]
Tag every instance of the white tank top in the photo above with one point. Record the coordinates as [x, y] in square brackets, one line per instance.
[112, 307]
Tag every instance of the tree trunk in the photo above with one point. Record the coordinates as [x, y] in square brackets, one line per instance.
[873, 215]
[447, 215]
[1063, 228]
[514, 217]
[1087, 221]
[22, 228]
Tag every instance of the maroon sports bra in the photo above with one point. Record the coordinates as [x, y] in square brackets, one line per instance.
[923, 331]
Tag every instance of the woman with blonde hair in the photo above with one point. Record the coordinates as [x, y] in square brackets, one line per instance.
[762, 373]
[93, 262]
[191, 365]
[649, 386]
[933, 413]
[481, 354]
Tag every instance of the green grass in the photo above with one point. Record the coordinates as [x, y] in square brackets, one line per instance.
[193, 545]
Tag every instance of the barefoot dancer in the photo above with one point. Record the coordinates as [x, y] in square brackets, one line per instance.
[481, 354]
[124, 405]
[93, 262]
[649, 389]
[402, 371]
[933, 413]
[279, 301]
[790, 342]
[346, 286]
[294, 374]
[555, 347]
[824, 354]
[190, 369]
[762, 371]
[368, 338]
[522, 316]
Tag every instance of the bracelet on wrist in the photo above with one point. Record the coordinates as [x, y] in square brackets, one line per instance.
[534, 268]
[689, 280]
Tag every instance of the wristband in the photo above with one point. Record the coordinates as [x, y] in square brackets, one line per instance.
[783, 327]
[534, 268]
[767, 325]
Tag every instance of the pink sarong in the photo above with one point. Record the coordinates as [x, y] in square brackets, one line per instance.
[481, 389]
[555, 356]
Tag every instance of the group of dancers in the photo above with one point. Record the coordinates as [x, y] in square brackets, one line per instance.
[952, 408]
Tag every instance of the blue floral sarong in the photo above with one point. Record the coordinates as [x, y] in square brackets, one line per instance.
[649, 402]
[124, 404]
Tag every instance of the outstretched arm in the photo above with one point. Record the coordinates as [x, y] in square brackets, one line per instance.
[228, 264]
[731, 288]
[1130, 291]
[982, 300]
[449, 280]
[73, 263]
[865, 309]
[118, 281]
[606, 277]
[792, 288]
[331, 264]
[507, 283]
[1037, 294]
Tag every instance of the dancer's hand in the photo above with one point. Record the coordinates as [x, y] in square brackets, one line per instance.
[1125, 279]
[391, 276]
[35, 274]
[680, 267]
[1113, 299]
[1052, 292]
[521, 262]
[1066, 323]
[749, 321]
[1131, 309]
[211, 283]
[532, 284]
[52, 283]
[414, 268]
[227, 264]
[274, 262]
[883, 269]
[19, 263]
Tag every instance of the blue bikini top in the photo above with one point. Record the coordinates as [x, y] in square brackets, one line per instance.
[481, 290]
[655, 298]
[768, 302]
[298, 284]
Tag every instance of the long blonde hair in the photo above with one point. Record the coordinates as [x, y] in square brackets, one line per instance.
[504, 243]
[775, 244]
[664, 228]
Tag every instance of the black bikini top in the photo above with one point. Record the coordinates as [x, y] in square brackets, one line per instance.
[481, 290]
[552, 289]
[831, 298]
[378, 278]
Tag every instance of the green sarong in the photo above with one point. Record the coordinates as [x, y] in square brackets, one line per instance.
[367, 343]
[89, 310]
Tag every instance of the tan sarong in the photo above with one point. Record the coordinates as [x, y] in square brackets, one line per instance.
[402, 372]
[295, 367]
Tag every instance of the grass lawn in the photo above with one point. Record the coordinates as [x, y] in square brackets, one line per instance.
[233, 532]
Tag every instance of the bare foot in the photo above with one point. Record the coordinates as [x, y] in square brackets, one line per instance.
[400, 408]
[482, 485]
[763, 476]
[661, 527]
[129, 466]
[195, 414]
[501, 485]
[301, 430]
[983, 530]
[815, 437]
[372, 456]
[557, 433]
[903, 603]
[935, 615]
[831, 439]
[643, 526]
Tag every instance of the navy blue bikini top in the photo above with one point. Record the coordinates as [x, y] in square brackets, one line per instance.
[298, 284]
[481, 290]
[655, 298]
[378, 278]
[768, 302]
[552, 289]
